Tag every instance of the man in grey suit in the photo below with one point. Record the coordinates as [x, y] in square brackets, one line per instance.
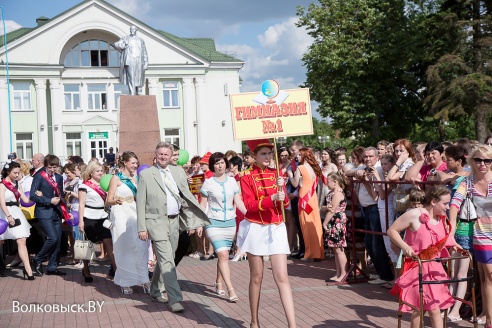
[163, 201]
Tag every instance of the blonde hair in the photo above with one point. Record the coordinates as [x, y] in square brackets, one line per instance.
[25, 167]
[340, 178]
[91, 168]
[486, 150]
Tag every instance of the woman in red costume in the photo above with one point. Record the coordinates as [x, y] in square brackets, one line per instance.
[263, 231]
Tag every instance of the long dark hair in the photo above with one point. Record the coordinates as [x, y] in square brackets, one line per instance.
[308, 156]
[7, 168]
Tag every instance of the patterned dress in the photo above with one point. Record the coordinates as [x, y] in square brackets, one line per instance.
[337, 226]
[482, 229]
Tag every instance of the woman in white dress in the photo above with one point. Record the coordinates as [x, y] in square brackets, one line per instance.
[10, 193]
[130, 253]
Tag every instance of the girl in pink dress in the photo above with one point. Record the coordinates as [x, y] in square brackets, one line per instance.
[427, 231]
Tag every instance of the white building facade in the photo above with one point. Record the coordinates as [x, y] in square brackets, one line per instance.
[63, 95]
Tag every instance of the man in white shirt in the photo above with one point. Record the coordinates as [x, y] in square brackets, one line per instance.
[163, 200]
[368, 198]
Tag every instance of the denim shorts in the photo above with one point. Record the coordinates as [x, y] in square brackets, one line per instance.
[465, 241]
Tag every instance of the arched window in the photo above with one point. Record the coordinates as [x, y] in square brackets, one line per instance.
[95, 53]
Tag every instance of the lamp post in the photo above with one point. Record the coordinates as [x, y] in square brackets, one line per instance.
[324, 139]
[282, 140]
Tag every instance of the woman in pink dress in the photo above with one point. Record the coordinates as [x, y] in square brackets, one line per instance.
[427, 231]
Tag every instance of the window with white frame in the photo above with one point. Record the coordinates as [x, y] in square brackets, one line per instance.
[172, 136]
[170, 94]
[96, 96]
[23, 145]
[73, 144]
[72, 96]
[22, 95]
[119, 89]
[95, 53]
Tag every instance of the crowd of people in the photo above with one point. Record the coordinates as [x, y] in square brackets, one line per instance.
[409, 198]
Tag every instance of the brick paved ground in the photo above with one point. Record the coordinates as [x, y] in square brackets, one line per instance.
[317, 305]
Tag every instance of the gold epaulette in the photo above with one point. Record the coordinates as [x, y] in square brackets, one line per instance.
[245, 172]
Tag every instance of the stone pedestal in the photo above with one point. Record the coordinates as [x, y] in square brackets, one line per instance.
[138, 123]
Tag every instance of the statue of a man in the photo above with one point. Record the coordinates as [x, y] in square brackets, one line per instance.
[133, 62]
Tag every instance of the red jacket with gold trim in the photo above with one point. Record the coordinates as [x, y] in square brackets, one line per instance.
[257, 186]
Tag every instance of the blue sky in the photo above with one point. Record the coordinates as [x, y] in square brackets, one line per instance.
[264, 36]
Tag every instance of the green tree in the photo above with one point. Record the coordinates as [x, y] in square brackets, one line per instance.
[460, 83]
[359, 67]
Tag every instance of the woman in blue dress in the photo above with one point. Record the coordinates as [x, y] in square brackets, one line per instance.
[219, 196]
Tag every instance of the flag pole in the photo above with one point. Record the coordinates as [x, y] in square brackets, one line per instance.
[278, 175]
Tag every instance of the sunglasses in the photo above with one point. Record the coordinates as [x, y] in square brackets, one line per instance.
[486, 161]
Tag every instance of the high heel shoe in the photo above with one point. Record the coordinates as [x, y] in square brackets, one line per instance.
[146, 288]
[218, 290]
[24, 272]
[87, 278]
[239, 257]
[233, 299]
[127, 290]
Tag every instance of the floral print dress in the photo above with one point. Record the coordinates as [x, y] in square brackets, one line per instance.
[337, 226]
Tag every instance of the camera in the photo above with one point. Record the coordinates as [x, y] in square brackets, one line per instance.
[12, 156]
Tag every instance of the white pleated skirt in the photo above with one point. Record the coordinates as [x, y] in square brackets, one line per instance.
[262, 239]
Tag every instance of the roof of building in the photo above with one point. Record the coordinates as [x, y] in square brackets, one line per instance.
[202, 47]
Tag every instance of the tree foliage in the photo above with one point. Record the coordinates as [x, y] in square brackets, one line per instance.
[371, 65]
[460, 82]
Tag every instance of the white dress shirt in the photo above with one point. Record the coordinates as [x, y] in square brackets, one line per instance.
[173, 206]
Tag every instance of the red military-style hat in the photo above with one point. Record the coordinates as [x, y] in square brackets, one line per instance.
[205, 158]
[253, 144]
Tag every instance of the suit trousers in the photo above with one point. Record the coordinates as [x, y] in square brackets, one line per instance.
[52, 227]
[165, 276]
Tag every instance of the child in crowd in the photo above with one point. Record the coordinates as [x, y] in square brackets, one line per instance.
[335, 223]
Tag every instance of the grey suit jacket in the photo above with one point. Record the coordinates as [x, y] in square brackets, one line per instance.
[152, 204]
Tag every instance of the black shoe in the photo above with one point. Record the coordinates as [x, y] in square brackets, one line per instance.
[4, 272]
[87, 277]
[55, 272]
[24, 272]
[299, 256]
[37, 268]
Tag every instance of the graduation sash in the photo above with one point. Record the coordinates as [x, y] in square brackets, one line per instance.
[97, 188]
[54, 186]
[128, 182]
[12, 188]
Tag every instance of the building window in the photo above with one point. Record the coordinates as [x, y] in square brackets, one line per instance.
[72, 96]
[73, 143]
[23, 145]
[96, 96]
[22, 95]
[99, 144]
[95, 53]
[170, 94]
[172, 136]
[119, 89]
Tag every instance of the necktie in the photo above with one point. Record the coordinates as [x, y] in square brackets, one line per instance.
[170, 186]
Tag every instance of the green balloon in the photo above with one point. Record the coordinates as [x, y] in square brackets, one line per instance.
[104, 182]
[183, 157]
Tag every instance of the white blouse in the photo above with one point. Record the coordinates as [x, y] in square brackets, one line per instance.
[94, 204]
[220, 198]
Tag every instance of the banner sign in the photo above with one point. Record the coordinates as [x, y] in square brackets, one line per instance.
[196, 183]
[271, 113]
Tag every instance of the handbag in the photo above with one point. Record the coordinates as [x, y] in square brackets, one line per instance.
[83, 249]
[468, 211]
[401, 198]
